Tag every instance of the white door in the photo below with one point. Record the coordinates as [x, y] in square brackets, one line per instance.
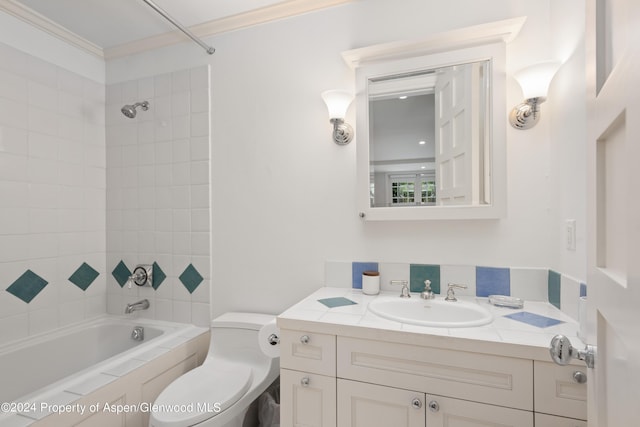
[613, 210]
[456, 142]
[307, 400]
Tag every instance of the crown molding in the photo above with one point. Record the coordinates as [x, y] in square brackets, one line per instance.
[43, 23]
[263, 15]
[284, 9]
[492, 32]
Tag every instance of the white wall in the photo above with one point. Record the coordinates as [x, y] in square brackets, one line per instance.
[567, 116]
[283, 193]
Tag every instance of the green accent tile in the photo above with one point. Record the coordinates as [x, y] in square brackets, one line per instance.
[84, 276]
[554, 288]
[158, 276]
[190, 278]
[27, 286]
[418, 273]
[336, 302]
[121, 273]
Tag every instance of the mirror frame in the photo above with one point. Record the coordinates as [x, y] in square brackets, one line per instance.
[484, 42]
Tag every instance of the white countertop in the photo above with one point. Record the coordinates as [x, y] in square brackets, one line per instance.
[504, 336]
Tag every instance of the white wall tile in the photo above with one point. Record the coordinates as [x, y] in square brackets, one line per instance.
[200, 124]
[460, 274]
[392, 271]
[569, 296]
[529, 283]
[181, 311]
[200, 314]
[337, 274]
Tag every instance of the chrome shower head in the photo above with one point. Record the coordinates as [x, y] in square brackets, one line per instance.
[130, 110]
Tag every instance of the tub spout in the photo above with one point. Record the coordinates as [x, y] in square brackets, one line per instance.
[140, 305]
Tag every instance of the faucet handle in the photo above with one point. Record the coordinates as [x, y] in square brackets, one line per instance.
[404, 292]
[451, 295]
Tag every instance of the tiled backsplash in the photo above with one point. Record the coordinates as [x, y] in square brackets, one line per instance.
[536, 284]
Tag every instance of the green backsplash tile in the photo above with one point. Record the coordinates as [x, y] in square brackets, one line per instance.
[27, 286]
[121, 273]
[158, 276]
[190, 278]
[418, 273]
[84, 276]
[554, 288]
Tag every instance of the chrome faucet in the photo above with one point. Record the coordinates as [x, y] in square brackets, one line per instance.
[427, 293]
[451, 296]
[404, 292]
[140, 305]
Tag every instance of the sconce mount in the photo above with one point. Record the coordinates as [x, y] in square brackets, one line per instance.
[526, 115]
[342, 132]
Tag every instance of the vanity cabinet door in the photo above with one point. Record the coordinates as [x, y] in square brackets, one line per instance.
[307, 399]
[369, 405]
[544, 420]
[448, 412]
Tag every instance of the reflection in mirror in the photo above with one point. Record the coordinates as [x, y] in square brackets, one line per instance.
[429, 137]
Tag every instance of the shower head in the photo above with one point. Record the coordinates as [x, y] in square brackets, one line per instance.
[130, 110]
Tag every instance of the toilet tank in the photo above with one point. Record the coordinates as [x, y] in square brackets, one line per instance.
[234, 336]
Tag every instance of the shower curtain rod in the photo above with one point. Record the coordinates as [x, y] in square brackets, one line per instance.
[210, 50]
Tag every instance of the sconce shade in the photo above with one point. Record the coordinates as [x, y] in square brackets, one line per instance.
[535, 80]
[338, 102]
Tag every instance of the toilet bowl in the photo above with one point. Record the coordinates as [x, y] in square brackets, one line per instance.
[220, 391]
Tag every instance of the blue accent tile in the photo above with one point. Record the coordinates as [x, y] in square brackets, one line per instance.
[27, 286]
[356, 272]
[492, 281]
[336, 302]
[418, 273]
[553, 288]
[583, 290]
[158, 276]
[84, 276]
[534, 319]
[190, 278]
[121, 273]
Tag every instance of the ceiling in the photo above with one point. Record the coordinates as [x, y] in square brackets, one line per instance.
[120, 27]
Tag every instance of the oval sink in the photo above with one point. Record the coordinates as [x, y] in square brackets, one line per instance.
[436, 313]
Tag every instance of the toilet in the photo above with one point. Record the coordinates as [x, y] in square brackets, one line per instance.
[220, 392]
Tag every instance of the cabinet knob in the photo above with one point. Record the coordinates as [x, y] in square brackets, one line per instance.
[416, 403]
[304, 382]
[434, 406]
[305, 339]
[579, 377]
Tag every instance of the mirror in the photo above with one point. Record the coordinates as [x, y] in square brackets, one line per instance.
[430, 132]
[428, 137]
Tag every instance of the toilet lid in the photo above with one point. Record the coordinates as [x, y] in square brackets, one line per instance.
[201, 393]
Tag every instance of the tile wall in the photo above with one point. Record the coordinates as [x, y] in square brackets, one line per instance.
[158, 208]
[535, 284]
[52, 196]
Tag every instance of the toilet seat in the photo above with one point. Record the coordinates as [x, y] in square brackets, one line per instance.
[201, 393]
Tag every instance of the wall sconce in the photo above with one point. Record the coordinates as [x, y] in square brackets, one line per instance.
[338, 102]
[534, 82]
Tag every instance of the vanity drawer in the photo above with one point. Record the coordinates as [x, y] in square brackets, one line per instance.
[482, 378]
[309, 352]
[557, 392]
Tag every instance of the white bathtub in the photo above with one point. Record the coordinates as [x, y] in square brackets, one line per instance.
[42, 374]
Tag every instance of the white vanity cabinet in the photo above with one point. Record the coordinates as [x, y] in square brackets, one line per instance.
[337, 381]
[307, 379]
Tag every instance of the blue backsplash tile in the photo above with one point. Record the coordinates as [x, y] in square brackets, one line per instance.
[418, 273]
[356, 270]
[583, 289]
[492, 281]
[554, 288]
